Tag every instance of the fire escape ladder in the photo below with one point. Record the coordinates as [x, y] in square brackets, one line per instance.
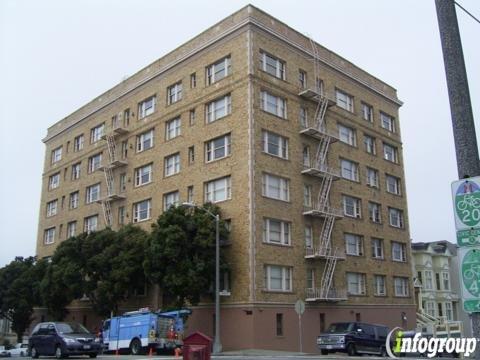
[107, 212]
[112, 151]
[327, 276]
[323, 200]
[322, 149]
[325, 236]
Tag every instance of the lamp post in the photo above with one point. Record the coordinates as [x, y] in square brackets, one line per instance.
[217, 345]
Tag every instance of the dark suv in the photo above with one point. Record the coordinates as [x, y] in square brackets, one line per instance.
[354, 338]
[62, 339]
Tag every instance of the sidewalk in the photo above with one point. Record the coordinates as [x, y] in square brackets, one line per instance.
[259, 352]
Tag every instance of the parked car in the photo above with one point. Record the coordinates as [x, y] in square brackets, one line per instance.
[19, 350]
[62, 339]
[3, 352]
[354, 338]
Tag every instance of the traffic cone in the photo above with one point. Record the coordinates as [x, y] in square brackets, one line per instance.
[150, 353]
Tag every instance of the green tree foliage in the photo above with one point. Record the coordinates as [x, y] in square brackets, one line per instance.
[20, 291]
[106, 266]
[180, 255]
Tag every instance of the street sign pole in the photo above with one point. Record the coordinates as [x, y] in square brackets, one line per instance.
[300, 309]
[466, 148]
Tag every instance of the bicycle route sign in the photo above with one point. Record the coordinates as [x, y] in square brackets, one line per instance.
[466, 201]
[469, 260]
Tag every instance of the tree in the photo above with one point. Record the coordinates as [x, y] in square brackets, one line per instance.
[180, 255]
[20, 291]
[105, 266]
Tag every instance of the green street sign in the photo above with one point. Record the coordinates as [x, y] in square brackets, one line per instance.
[468, 237]
[469, 260]
[466, 200]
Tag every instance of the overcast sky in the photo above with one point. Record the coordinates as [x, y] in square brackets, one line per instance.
[57, 55]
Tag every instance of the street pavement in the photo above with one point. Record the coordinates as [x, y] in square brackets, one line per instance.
[236, 357]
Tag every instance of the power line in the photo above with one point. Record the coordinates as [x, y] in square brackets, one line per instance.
[461, 7]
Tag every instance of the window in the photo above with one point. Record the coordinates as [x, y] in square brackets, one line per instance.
[124, 149]
[96, 133]
[302, 79]
[401, 286]
[217, 148]
[349, 170]
[142, 210]
[428, 280]
[356, 283]
[172, 164]
[395, 217]
[121, 215]
[390, 153]
[276, 231]
[78, 142]
[272, 65]
[193, 80]
[190, 194]
[374, 212]
[145, 140]
[146, 107]
[219, 108]
[308, 237]
[54, 181]
[347, 135]
[143, 175]
[218, 190]
[367, 112]
[306, 157]
[399, 251]
[219, 70]
[430, 308]
[448, 311]
[353, 244]
[446, 280]
[126, 117]
[273, 104]
[275, 187]
[123, 182]
[369, 143]
[76, 171]
[90, 223]
[74, 200]
[52, 207]
[71, 229]
[279, 324]
[93, 193]
[174, 93]
[310, 278]
[377, 248]
[380, 289]
[351, 206]
[278, 278]
[307, 195]
[393, 184]
[191, 155]
[173, 128]
[274, 144]
[94, 162]
[57, 155]
[49, 236]
[303, 117]
[387, 122]
[344, 100]
[191, 117]
[372, 177]
[171, 199]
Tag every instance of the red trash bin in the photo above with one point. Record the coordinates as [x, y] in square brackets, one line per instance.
[197, 346]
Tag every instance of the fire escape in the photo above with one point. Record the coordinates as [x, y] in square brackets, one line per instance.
[317, 166]
[114, 162]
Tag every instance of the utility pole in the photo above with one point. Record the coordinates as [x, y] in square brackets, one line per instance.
[468, 164]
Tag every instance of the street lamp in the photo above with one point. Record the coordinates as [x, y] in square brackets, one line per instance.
[217, 345]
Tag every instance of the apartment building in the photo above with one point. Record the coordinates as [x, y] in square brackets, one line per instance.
[300, 148]
[435, 271]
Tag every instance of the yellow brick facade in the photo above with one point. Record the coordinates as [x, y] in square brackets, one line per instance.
[243, 37]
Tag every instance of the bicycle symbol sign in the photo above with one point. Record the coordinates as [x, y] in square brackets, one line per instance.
[470, 276]
[466, 198]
